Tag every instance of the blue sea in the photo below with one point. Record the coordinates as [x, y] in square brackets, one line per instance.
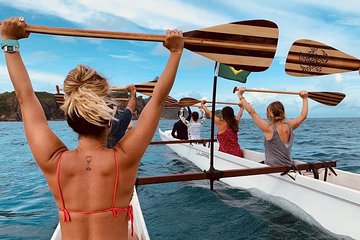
[176, 211]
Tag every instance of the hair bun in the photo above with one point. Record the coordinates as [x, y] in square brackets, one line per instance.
[86, 94]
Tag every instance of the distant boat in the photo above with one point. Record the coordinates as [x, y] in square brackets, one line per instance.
[333, 204]
[139, 222]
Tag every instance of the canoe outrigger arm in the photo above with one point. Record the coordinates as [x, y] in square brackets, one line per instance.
[213, 174]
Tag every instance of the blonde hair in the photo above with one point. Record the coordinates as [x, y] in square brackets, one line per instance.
[276, 112]
[86, 96]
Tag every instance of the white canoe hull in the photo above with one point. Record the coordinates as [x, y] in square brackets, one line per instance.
[334, 204]
[139, 222]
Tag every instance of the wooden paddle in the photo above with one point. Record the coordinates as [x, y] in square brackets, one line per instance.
[311, 58]
[141, 87]
[327, 98]
[248, 45]
[59, 98]
[185, 102]
[146, 88]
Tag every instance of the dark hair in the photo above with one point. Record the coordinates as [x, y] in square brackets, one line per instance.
[195, 116]
[276, 111]
[229, 117]
[83, 127]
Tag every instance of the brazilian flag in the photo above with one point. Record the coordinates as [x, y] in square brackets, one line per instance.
[231, 73]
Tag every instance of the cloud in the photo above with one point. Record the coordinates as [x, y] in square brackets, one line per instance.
[59, 8]
[40, 56]
[159, 50]
[338, 77]
[160, 14]
[349, 21]
[41, 81]
[46, 77]
[131, 56]
[193, 61]
[66, 39]
[351, 6]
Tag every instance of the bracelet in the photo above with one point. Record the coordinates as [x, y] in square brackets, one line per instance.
[10, 45]
[241, 98]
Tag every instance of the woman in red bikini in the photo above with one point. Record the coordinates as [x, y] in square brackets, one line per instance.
[228, 127]
[92, 184]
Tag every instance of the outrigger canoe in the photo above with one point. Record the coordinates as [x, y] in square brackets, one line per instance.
[331, 202]
[139, 222]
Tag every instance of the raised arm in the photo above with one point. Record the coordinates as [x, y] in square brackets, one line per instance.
[119, 128]
[189, 114]
[43, 142]
[136, 141]
[208, 112]
[182, 118]
[132, 101]
[294, 123]
[240, 113]
[203, 116]
[261, 123]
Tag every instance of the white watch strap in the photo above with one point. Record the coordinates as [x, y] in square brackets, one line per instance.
[11, 49]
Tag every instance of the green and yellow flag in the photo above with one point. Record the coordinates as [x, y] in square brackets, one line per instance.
[231, 73]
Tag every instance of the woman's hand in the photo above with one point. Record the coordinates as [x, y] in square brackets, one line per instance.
[241, 91]
[131, 89]
[14, 28]
[174, 41]
[303, 94]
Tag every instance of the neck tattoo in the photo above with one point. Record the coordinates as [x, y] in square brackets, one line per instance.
[88, 163]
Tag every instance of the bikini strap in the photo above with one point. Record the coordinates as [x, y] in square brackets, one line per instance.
[117, 177]
[64, 210]
[130, 213]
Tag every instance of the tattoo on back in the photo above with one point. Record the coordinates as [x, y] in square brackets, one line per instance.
[88, 163]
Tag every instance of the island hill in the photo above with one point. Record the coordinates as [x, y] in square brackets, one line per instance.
[10, 110]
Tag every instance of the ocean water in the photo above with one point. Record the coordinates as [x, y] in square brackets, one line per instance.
[186, 210]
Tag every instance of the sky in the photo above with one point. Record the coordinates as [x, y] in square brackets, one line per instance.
[49, 58]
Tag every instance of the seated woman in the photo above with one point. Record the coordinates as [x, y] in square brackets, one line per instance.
[278, 133]
[228, 127]
[92, 185]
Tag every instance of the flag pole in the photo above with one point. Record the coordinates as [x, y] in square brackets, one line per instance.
[212, 170]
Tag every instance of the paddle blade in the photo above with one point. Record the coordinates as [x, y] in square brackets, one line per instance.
[59, 98]
[310, 58]
[186, 102]
[169, 100]
[248, 45]
[172, 105]
[327, 98]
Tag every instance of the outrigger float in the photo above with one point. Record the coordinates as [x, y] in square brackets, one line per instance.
[329, 196]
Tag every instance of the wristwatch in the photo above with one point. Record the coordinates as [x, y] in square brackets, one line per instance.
[10, 45]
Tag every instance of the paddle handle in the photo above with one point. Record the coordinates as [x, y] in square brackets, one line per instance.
[58, 89]
[120, 99]
[118, 88]
[267, 91]
[107, 34]
[94, 33]
[226, 103]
